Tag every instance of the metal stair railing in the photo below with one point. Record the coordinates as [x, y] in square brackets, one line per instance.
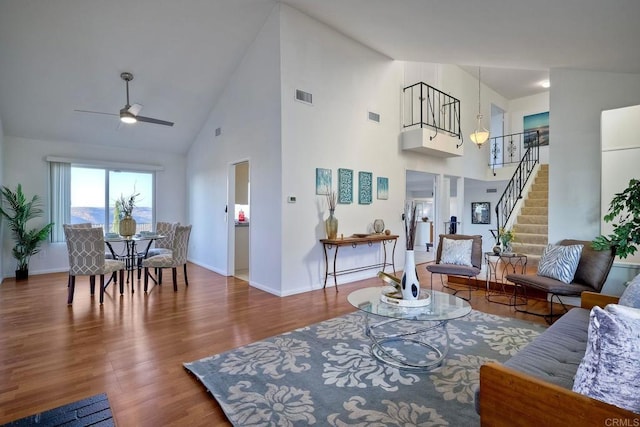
[513, 191]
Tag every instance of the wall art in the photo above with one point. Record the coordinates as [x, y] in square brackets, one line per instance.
[383, 188]
[365, 190]
[480, 213]
[345, 186]
[536, 122]
[323, 181]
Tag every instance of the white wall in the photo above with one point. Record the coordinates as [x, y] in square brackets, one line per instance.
[347, 80]
[576, 100]
[24, 163]
[248, 115]
[476, 191]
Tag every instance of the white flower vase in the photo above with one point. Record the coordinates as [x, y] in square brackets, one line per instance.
[409, 283]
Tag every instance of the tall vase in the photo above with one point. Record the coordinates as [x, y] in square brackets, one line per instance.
[410, 284]
[331, 225]
[127, 226]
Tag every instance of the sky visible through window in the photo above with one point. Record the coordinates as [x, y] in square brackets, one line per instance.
[88, 187]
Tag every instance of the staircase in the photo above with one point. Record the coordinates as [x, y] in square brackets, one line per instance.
[531, 225]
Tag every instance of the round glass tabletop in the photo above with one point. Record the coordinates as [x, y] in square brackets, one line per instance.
[442, 306]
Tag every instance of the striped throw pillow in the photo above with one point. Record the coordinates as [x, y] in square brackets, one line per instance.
[560, 262]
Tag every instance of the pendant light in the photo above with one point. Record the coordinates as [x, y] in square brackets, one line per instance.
[481, 134]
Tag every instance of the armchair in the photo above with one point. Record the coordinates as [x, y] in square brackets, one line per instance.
[467, 266]
[591, 273]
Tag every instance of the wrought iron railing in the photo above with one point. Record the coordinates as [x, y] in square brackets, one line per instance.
[425, 105]
[513, 192]
[509, 149]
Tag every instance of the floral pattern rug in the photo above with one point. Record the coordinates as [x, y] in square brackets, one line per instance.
[324, 374]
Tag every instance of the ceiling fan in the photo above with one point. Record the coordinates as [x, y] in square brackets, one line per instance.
[129, 113]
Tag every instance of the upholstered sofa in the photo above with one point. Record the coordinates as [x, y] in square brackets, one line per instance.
[534, 387]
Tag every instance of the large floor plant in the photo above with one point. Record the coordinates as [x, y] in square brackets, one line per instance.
[17, 210]
[625, 207]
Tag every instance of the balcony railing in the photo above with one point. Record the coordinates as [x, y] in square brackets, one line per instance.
[509, 149]
[426, 106]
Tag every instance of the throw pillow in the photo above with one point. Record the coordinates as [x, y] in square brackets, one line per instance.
[631, 295]
[456, 251]
[610, 369]
[560, 262]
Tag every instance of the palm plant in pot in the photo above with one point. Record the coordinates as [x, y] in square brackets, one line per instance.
[625, 238]
[17, 210]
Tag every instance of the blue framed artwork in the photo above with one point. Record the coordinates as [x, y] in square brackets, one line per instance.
[365, 191]
[383, 188]
[536, 122]
[345, 186]
[323, 181]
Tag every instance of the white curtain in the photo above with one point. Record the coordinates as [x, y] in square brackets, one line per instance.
[60, 196]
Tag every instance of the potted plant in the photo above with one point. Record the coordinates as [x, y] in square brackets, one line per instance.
[17, 210]
[506, 237]
[124, 207]
[626, 233]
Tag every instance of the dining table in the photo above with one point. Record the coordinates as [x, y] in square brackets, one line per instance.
[129, 252]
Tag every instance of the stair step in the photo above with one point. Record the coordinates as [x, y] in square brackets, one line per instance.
[538, 195]
[540, 186]
[529, 248]
[529, 238]
[534, 210]
[532, 219]
[532, 203]
[531, 229]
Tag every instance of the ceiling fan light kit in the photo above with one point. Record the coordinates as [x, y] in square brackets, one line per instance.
[127, 117]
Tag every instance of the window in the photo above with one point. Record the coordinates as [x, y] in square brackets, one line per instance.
[88, 194]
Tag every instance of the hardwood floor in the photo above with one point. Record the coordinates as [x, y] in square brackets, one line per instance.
[133, 346]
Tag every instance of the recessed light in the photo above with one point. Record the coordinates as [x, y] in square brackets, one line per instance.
[545, 83]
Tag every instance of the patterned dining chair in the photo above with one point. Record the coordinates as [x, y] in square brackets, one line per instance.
[163, 246]
[87, 258]
[176, 258]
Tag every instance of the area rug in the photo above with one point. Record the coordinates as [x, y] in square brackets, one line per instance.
[92, 411]
[324, 374]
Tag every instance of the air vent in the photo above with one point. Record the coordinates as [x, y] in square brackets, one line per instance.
[492, 190]
[218, 131]
[374, 117]
[303, 96]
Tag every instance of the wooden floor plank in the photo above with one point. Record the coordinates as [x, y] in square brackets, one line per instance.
[132, 347]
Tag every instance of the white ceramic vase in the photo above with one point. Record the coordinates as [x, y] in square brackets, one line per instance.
[409, 283]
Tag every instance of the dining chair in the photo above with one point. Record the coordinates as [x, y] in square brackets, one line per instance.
[176, 258]
[87, 258]
[458, 255]
[163, 246]
[107, 255]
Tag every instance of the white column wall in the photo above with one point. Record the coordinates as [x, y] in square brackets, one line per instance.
[576, 101]
[2, 182]
[248, 114]
[24, 163]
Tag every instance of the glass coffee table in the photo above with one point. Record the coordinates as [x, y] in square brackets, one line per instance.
[410, 338]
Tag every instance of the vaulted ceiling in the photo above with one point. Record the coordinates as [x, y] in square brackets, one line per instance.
[57, 56]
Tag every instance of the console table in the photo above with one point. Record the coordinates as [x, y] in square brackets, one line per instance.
[353, 241]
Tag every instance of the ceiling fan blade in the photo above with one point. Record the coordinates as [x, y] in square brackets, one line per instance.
[96, 112]
[154, 121]
[135, 109]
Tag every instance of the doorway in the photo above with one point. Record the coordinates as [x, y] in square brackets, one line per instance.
[421, 189]
[241, 220]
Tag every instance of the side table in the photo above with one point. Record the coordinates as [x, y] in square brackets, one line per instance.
[498, 266]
